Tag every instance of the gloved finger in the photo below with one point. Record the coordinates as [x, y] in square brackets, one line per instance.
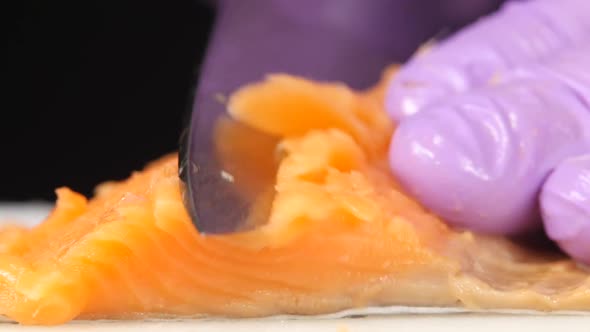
[519, 32]
[565, 206]
[479, 159]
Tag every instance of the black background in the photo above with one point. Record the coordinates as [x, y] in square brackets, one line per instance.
[94, 90]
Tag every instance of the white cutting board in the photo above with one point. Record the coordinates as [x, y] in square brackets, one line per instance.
[402, 323]
[427, 320]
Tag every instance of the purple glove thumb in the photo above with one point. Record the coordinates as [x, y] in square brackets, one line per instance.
[479, 159]
[565, 206]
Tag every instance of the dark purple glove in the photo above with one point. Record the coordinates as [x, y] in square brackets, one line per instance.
[343, 40]
[488, 115]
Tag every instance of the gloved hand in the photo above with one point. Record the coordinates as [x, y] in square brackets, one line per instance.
[495, 121]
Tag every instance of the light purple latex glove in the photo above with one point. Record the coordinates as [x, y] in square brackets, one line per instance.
[488, 115]
[565, 205]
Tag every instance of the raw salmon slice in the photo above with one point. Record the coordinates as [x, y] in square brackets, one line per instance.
[341, 233]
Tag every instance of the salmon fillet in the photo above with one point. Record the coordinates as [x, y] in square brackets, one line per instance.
[341, 232]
